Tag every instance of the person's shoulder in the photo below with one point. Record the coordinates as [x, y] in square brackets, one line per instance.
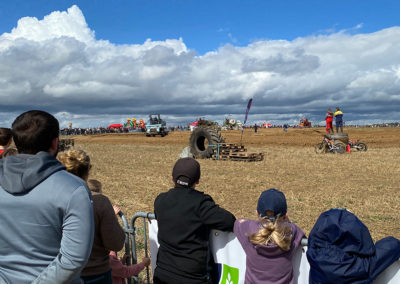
[66, 180]
[245, 224]
[200, 194]
[100, 198]
[297, 232]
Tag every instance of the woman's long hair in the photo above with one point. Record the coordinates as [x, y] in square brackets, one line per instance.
[275, 230]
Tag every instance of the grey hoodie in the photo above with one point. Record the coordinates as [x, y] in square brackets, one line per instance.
[46, 221]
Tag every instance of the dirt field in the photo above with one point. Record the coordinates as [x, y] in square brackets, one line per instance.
[134, 169]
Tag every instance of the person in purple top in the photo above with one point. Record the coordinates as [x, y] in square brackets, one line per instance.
[270, 242]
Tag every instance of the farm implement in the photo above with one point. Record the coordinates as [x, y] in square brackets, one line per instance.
[235, 152]
[207, 142]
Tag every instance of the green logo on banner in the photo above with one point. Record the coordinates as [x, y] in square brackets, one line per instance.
[230, 275]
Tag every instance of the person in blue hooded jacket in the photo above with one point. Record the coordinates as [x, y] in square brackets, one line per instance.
[46, 215]
[341, 250]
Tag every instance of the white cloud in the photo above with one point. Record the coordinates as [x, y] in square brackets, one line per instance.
[57, 64]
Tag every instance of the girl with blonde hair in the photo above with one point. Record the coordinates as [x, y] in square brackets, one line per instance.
[77, 162]
[270, 242]
[108, 235]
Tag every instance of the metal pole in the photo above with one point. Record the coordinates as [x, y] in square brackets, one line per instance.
[133, 239]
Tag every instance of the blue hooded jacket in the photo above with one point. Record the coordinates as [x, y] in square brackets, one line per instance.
[341, 250]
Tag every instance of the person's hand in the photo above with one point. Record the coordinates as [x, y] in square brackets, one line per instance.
[146, 261]
[124, 258]
[116, 209]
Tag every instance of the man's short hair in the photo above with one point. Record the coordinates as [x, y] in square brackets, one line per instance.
[34, 130]
[5, 136]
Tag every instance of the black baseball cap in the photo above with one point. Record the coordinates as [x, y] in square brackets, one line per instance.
[186, 172]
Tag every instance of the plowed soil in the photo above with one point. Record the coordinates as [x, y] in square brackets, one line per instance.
[134, 169]
[374, 137]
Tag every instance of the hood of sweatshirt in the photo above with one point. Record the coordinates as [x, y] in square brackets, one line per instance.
[269, 250]
[19, 174]
[341, 229]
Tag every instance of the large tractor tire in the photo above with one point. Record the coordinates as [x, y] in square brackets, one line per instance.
[201, 142]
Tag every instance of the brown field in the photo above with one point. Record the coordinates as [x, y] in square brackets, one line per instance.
[134, 169]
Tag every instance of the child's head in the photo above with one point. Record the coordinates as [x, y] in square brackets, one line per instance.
[5, 136]
[94, 185]
[271, 201]
[272, 209]
[77, 162]
[186, 172]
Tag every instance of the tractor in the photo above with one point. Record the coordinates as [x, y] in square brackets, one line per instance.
[156, 126]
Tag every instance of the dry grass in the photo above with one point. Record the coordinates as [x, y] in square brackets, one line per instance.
[134, 169]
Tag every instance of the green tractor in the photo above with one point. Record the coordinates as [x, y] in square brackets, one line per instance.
[156, 126]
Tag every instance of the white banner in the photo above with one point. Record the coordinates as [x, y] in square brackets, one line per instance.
[231, 259]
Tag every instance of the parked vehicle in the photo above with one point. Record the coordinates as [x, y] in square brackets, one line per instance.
[156, 126]
[356, 144]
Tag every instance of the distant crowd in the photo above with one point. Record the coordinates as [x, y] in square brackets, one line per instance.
[59, 227]
[103, 130]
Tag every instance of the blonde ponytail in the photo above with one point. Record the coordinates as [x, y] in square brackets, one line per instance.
[276, 231]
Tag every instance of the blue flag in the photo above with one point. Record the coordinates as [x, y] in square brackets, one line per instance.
[247, 110]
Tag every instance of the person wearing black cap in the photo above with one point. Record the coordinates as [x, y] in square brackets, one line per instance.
[270, 242]
[185, 217]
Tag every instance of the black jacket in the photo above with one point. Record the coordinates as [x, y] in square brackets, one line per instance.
[185, 217]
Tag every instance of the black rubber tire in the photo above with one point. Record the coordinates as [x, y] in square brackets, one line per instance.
[320, 148]
[361, 146]
[341, 147]
[198, 140]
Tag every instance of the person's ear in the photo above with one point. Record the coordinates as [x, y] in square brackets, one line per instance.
[54, 147]
[197, 182]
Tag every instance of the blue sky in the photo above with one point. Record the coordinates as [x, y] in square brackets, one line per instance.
[94, 62]
[206, 25]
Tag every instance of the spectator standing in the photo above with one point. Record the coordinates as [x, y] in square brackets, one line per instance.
[339, 120]
[5, 139]
[46, 215]
[329, 121]
[255, 128]
[185, 217]
[270, 242]
[341, 250]
[285, 127]
[108, 233]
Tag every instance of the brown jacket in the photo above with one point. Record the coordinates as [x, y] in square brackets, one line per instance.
[108, 236]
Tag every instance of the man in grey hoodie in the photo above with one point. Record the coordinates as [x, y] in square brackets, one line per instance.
[46, 215]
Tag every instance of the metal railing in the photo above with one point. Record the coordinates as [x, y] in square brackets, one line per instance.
[130, 230]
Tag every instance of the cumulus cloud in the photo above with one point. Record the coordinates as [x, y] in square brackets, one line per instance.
[58, 65]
